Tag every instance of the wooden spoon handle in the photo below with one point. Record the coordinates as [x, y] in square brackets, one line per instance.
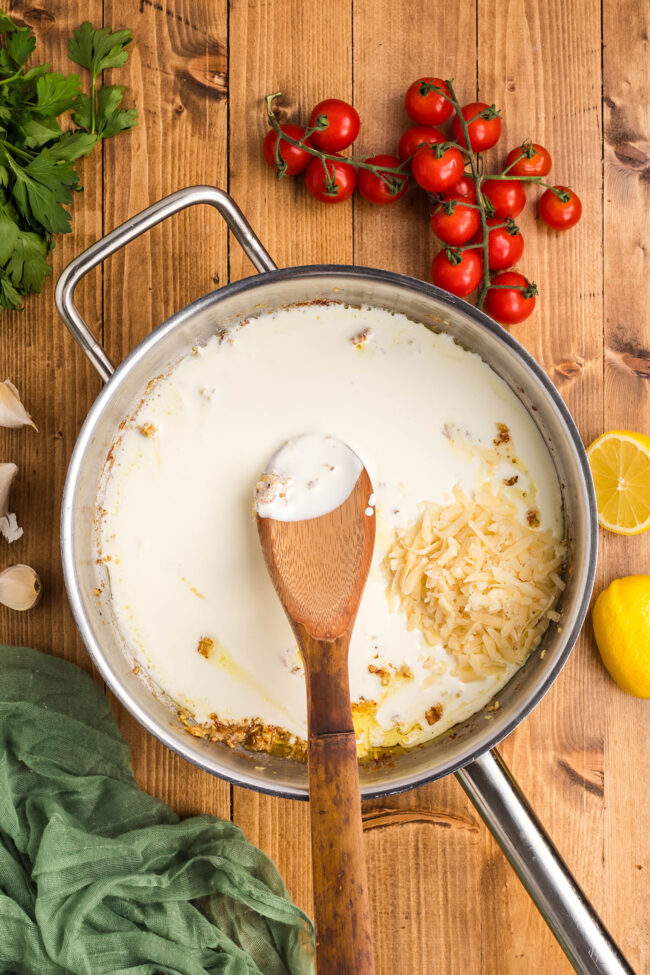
[343, 941]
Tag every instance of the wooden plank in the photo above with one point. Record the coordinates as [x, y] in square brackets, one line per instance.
[435, 839]
[390, 53]
[626, 92]
[56, 383]
[303, 50]
[177, 78]
[540, 63]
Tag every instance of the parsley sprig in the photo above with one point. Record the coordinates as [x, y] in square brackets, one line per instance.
[37, 174]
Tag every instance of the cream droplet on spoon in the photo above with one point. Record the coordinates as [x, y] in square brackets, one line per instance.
[308, 477]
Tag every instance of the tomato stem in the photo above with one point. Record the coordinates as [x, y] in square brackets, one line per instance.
[400, 172]
[478, 179]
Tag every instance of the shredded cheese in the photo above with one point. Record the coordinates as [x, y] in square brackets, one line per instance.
[471, 576]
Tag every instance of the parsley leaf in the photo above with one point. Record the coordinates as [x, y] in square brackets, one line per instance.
[20, 45]
[38, 131]
[37, 157]
[111, 119]
[97, 50]
[7, 25]
[8, 236]
[56, 93]
[27, 266]
[9, 297]
[41, 190]
[73, 145]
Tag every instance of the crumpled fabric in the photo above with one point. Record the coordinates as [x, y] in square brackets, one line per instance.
[98, 877]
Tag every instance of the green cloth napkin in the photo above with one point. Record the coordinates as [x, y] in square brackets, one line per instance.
[97, 876]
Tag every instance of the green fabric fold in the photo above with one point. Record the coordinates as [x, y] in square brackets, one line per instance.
[98, 877]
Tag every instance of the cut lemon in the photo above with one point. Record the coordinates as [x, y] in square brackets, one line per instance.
[620, 466]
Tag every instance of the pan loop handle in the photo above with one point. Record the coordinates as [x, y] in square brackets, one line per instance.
[128, 231]
[582, 935]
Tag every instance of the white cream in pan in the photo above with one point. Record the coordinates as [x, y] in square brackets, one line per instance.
[177, 540]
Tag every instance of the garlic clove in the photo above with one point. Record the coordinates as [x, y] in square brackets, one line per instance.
[12, 412]
[8, 524]
[20, 587]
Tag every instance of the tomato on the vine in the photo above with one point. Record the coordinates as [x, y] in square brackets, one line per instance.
[507, 196]
[460, 278]
[425, 105]
[484, 132]
[295, 158]
[464, 189]
[437, 174]
[375, 189]
[505, 245]
[336, 187]
[416, 137]
[539, 164]
[455, 228]
[560, 212]
[507, 303]
[343, 124]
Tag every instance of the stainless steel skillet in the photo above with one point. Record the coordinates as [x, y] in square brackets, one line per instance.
[467, 750]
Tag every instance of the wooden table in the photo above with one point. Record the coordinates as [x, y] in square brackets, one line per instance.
[570, 76]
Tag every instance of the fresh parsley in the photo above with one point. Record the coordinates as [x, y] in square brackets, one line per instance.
[37, 174]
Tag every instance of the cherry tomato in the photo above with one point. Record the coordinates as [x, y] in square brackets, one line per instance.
[460, 279]
[373, 188]
[483, 133]
[426, 106]
[508, 305]
[416, 137]
[343, 180]
[539, 163]
[343, 124]
[560, 214]
[504, 248]
[507, 196]
[464, 189]
[436, 175]
[455, 228]
[296, 159]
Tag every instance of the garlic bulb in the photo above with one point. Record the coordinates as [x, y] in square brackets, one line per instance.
[8, 524]
[12, 411]
[20, 587]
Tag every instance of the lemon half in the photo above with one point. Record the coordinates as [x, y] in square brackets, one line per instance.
[620, 466]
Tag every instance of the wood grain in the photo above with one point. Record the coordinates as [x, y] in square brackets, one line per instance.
[442, 897]
[626, 297]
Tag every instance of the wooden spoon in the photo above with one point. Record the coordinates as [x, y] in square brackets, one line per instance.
[319, 568]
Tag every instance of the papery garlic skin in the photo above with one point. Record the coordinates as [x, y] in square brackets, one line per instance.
[8, 524]
[12, 412]
[20, 587]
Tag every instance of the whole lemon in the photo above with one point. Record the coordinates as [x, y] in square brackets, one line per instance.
[621, 621]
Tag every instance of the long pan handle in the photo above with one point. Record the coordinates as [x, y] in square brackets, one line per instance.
[563, 905]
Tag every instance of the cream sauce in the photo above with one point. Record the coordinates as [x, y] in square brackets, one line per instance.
[178, 525]
[308, 477]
